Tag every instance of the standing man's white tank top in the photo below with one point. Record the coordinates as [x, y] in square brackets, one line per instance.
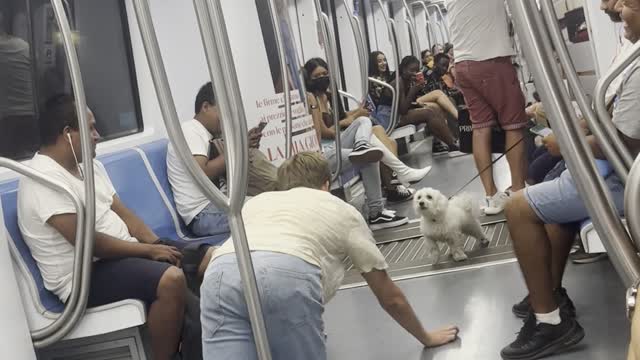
[479, 29]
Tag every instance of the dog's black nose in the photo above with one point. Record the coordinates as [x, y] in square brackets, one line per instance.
[421, 203]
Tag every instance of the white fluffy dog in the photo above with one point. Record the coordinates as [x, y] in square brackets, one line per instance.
[448, 221]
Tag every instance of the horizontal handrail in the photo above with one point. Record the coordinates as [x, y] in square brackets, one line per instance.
[394, 95]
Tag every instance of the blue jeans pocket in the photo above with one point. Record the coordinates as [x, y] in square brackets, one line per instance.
[287, 296]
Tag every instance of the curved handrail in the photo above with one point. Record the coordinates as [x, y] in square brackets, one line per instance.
[349, 96]
[601, 106]
[394, 95]
[79, 242]
[77, 302]
[288, 116]
[632, 202]
[428, 21]
[361, 51]
[580, 161]
[608, 148]
[443, 28]
[213, 31]
[411, 22]
[396, 57]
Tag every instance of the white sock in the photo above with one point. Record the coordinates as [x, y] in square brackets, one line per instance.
[552, 318]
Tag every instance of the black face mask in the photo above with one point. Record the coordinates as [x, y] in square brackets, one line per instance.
[320, 84]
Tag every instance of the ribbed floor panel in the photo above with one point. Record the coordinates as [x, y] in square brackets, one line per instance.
[410, 256]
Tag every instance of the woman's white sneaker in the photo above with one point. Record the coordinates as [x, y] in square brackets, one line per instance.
[495, 204]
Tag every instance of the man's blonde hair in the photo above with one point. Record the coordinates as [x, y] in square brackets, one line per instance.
[305, 169]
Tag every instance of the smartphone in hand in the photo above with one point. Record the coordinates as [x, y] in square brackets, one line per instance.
[419, 78]
[261, 126]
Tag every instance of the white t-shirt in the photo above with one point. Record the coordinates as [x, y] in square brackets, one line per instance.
[313, 225]
[38, 203]
[479, 29]
[623, 48]
[190, 201]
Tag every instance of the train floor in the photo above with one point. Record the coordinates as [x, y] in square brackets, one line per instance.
[476, 295]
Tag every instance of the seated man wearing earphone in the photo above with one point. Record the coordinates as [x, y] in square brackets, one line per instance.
[131, 261]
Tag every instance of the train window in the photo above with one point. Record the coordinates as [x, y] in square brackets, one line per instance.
[33, 67]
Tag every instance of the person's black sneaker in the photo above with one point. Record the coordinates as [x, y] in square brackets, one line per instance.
[439, 148]
[364, 154]
[386, 219]
[400, 193]
[538, 340]
[523, 308]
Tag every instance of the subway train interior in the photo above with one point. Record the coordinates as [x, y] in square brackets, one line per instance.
[138, 65]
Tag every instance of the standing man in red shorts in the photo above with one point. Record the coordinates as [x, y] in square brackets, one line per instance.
[484, 73]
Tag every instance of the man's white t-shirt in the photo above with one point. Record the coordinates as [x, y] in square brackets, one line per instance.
[190, 201]
[314, 226]
[38, 203]
[479, 29]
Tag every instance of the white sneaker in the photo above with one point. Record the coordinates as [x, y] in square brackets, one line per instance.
[496, 203]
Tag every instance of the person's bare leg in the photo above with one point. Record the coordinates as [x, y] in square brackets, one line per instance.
[439, 97]
[561, 238]
[205, 262]
[533, 250]
[482, 157]
[435, 120]
[388, 142]
[516, 157]
[167, 314]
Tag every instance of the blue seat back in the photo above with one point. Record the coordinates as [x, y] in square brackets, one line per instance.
[137, 190]
[156, 153]
[9, 199]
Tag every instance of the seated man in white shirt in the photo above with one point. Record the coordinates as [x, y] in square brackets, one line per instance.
[131, 262]
[202, 134]
[299, 238]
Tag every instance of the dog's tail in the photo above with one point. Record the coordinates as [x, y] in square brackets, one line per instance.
[467, 203]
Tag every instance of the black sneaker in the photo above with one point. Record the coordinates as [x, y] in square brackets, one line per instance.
[439, 148]
[538, 340]
[386, 219]
[364, 154]
[523, 308]
[400, 193]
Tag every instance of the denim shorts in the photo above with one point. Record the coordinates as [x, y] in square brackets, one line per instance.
[291, 294]
[210, 221]
[382, 115]
[558, 202]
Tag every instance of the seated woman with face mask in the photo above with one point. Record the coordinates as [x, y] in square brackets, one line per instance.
[317, 85]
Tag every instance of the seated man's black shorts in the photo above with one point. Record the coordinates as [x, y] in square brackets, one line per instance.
[129, 278]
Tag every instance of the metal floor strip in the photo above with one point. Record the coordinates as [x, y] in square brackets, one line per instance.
[412, 255]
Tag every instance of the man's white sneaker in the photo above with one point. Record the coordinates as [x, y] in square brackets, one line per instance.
[496, 203]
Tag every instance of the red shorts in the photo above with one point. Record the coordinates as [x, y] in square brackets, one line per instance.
[492, 92]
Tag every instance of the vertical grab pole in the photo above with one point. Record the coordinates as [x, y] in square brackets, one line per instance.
[396, 58]
[361, 50]
[215, 40]
[77, 303]
[608, 145]
[235, 145]
[415, 48]
[332, 61]
[288, 116]
[537, 46]
[601, 106]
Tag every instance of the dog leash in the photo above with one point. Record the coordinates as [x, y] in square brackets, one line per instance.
[487, 168]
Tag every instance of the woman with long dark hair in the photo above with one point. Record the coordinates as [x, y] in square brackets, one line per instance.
[351, 123]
